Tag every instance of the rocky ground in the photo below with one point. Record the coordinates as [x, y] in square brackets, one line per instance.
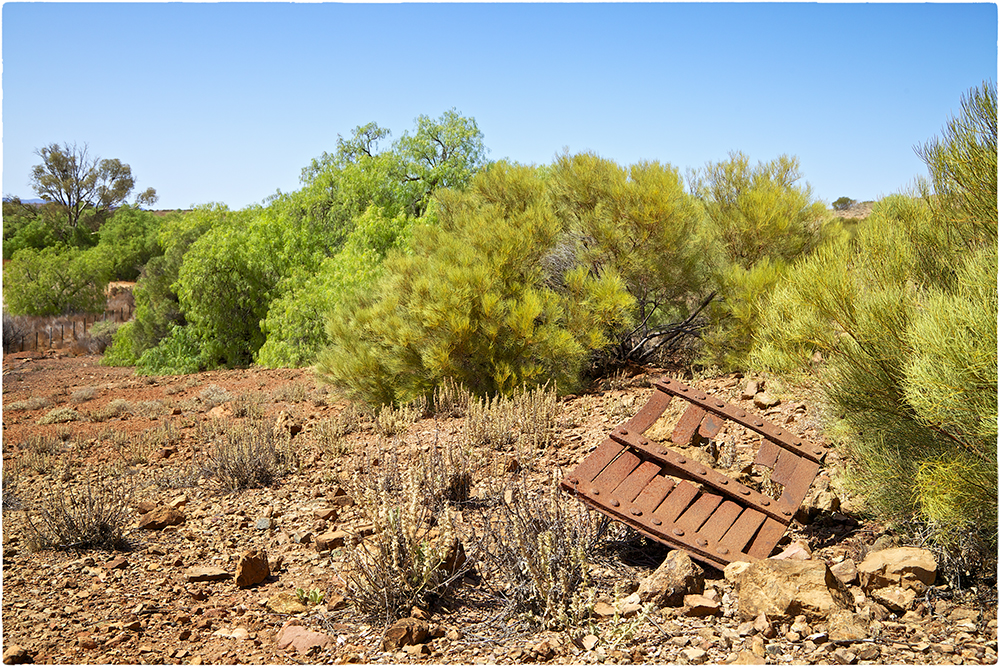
[174, 595]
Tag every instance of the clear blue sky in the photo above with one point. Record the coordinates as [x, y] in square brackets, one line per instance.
[227, 102]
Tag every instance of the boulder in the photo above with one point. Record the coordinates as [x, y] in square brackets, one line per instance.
[405, 632]
[676, 577]
[252, 568]
[784, 589]
[908, 567]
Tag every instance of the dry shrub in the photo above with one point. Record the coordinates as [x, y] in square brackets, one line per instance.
[392, 421]
[60, 416]
[178, 477]
[149, 409]
[11, 477]
[93, 515]
[524, 421]
[33, 403]
[116, 407]
[84, 394]
[294, 392]
[249, 456]
[451, 399]
[249, 406]
[414, 556]
[535, 549]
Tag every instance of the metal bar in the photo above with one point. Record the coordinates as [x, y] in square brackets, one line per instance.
[680, 466]
[710, 426]
[683, 434]
[632, 486]
[649, 413]
[758, 424]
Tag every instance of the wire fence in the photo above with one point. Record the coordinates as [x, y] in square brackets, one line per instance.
[24, 333]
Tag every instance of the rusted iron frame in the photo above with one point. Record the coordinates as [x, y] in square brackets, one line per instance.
[769, 430]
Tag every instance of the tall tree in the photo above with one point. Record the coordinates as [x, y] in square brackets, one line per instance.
[79, 182]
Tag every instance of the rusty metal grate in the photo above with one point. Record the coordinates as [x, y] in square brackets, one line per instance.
[685, 504]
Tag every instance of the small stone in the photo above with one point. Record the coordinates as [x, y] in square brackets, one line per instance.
[844, 657]
[263, 524]
[764, 400]
[301, 639]
[895, 598]
[694, 656]
[252, 568]
[326, 513]
[119, 563]
[751, 389]
[589, 642]
[868, 652]
[332, 540]
[159, 519]
[15, 654]
[285, 603]
[405, 632]
[699, 606]
[846, 571]
[195, 574]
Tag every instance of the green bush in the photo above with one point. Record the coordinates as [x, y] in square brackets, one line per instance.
[474, 303]
[905, 314]
[55, 281]
[761, 221]
[178, 354]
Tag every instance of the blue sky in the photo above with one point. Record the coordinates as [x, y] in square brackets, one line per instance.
[227, 102]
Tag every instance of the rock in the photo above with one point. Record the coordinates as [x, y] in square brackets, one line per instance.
[144, 506]
[194, 574]
[589, 642]
[763, 626]
[264, 524]
[285, 603]
[846, 571]
[160, 518]
[908, 567]
[405, 632]
[784, 589]
[751, 389]
[699, 606]
[301, 639]
[735, 570]
[797, 550]
[252, 568]
[119, 563]
[233, 633]
[868, 652]
[676, 577]
[745, 657]
[302, 537]
[844, 625]
[326, 513]
[895, 598]
[764, 400]
[694, 656]
[842, 656]
[331, 540]
[15, 654]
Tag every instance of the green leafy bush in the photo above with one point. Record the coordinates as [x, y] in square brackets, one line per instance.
[905, 314]
[55, 281]
[761, 220]
[178, 354]
[475, 303]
